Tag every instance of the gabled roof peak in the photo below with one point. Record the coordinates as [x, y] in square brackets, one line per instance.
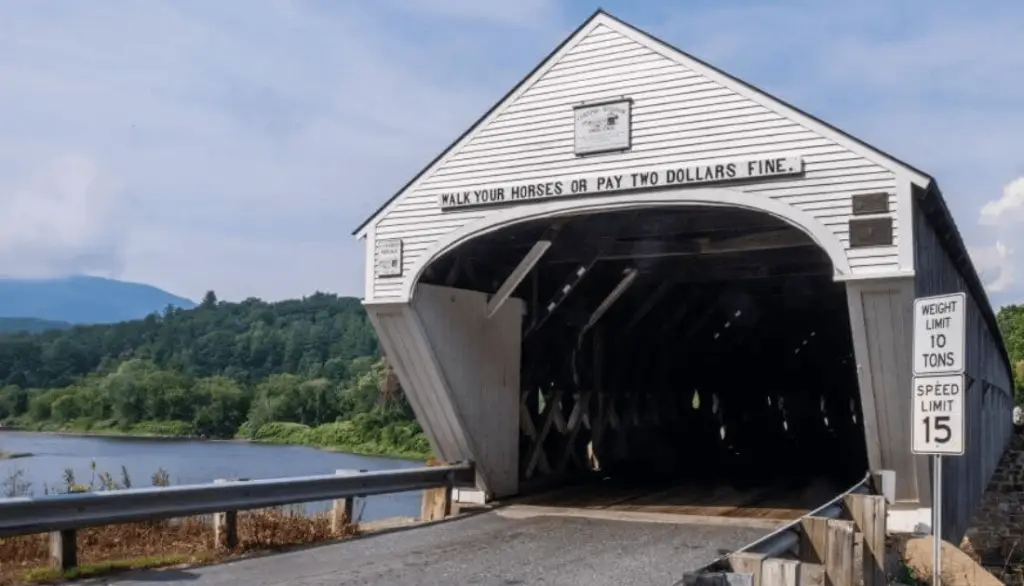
[602, 17]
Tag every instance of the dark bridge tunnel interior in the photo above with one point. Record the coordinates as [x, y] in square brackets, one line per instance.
[705, 345]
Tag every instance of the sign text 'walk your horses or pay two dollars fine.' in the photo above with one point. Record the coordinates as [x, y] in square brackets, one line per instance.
[663, 177]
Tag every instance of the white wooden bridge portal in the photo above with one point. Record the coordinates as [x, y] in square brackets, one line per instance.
[637, 265]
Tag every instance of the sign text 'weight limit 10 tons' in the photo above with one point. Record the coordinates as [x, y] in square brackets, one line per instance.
[939, 340]
[939, 381]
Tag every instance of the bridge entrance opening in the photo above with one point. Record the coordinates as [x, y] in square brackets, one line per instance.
[688, 358]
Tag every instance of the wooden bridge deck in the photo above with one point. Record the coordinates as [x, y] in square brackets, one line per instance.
[774, 504]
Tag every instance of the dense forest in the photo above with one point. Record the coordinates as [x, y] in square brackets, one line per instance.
[1011, 323]
[30, 325]
[301, 371]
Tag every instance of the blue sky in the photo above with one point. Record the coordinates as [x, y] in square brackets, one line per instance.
[234, 145]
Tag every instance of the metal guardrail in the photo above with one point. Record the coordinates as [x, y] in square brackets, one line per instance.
[787, 537]
[28, 515]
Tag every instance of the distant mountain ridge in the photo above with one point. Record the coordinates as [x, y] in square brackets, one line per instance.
[30, 325]
[82, 300]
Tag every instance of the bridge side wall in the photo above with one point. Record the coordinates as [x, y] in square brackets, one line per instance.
[460, 371]
[480, 359]
[989, 403]
[407, 346]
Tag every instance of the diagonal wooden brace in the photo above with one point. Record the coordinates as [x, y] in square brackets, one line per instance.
[536, 453]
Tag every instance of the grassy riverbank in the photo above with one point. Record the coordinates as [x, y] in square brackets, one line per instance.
[107, 550]
[360, 435]
[160, 544]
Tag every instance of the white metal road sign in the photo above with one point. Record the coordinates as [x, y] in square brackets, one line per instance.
[939, 415]
[939, 334]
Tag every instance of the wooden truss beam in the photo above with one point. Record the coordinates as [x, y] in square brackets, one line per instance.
[656, 248]
[519, 273]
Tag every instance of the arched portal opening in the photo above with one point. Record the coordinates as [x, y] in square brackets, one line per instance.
[675, 345]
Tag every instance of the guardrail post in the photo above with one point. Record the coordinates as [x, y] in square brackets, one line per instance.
[63, 549]
[225, 525]
[437, 503]
[342, 511]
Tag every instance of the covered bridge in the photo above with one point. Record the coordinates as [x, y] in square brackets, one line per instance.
[637, 264]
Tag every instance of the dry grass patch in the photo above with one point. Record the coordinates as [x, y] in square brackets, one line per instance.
[103, 550]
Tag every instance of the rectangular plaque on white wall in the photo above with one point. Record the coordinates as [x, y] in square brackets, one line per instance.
[389, 258]
[603, 126]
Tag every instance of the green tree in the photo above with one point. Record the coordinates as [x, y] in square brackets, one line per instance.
[1011, 324]
[209, 300]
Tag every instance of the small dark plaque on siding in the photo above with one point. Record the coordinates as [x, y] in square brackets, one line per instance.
[870, 203]
[870, 232]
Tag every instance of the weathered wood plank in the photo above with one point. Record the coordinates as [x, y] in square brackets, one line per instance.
[813, 539]
[780, 572]
[839, 553]
[748, 563]
[812, 574]
[869, 515]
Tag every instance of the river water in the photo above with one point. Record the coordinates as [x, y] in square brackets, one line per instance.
[189, 462]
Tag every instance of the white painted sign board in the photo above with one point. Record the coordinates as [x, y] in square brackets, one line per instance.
[940, 334]
[603, 127]
[940, 352]
[638, 179]
[389, 258]
[938, 412]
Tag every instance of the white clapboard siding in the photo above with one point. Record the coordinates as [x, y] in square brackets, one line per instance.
[679, 116]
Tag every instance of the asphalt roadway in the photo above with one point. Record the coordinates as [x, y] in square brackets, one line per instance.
[486, 549]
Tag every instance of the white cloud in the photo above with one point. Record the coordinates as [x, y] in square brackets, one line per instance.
[247, 139]
[1007, 209]
[994, 265]
[1004, 216]
[232, 125]
[66, 215]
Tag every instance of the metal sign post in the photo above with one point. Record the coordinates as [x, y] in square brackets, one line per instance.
[938, 396]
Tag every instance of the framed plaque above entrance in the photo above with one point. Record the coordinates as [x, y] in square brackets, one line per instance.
[602, 127]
